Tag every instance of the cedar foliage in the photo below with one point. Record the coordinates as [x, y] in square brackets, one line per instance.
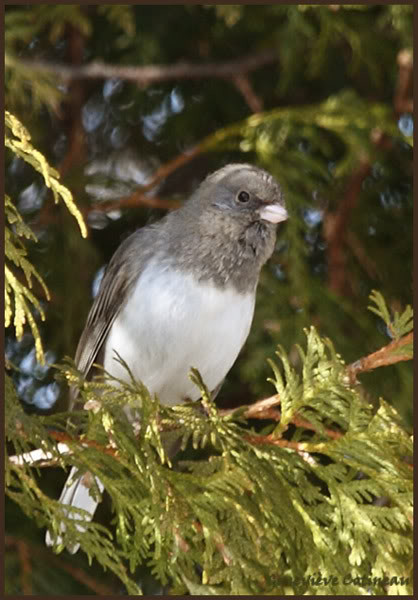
[247, 506]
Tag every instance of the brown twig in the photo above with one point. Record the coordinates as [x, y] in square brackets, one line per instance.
[176, 162]
[60, 436]
[271, 440]
[81, 576]
[75, 98]
[155, 73]
[26, 567]
[331, 433]
[137, 198]
[363, 258]
[243, 85]
[78, 574]
[402, 103]
[388, 355]
[264, 409]
[335, 229]
[258, 410]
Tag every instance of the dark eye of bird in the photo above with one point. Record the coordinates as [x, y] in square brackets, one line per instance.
[243, 197]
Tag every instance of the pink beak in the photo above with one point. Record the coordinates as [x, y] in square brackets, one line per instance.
[275, 213]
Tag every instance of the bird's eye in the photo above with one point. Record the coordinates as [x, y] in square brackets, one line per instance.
[243, 197]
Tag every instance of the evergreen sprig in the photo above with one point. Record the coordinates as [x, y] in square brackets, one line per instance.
[17, 139]
[18, 296]
[252, 513]
[20, 301]
[398, 325]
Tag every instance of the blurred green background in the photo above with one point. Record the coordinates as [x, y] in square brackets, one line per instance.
[321, 96]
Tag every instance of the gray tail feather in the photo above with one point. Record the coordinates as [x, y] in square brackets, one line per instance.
[76, 493]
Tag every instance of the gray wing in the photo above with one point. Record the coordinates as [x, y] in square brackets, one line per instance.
[121, 273]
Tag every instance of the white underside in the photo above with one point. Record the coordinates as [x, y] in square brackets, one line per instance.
[172, 323]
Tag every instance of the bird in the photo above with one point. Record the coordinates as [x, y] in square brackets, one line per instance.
[180, 293]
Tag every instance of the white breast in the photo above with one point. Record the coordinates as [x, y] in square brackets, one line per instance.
[170, 324]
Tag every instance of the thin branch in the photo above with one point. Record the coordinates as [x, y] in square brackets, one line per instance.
[236, 70]
[388, 355]
[243, 85]
[336, 226]
[81, 576]
[273, 441]
[26, 567]
[257, 410]
[60, 436]
[153, 73]
[363, 258]
[331, 433]
[403, 103]
[137, 198]
[264, 409]
[177, 162]
[76, 97]
[44, 459]
[78, 574]
[40, 458]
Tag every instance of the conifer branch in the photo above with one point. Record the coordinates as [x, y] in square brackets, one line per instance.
[263, 409]
[388, 355]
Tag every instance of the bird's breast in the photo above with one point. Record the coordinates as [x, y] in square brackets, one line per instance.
[170, 323]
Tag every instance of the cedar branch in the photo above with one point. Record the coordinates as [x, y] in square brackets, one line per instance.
[262, 409]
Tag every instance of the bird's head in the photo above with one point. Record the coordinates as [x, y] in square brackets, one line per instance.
[244, 193]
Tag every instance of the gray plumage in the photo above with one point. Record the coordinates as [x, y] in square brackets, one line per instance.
[180, 293]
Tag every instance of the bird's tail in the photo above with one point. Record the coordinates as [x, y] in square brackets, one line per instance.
[76, 493]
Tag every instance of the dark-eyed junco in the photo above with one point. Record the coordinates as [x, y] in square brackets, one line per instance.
[180, 293]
